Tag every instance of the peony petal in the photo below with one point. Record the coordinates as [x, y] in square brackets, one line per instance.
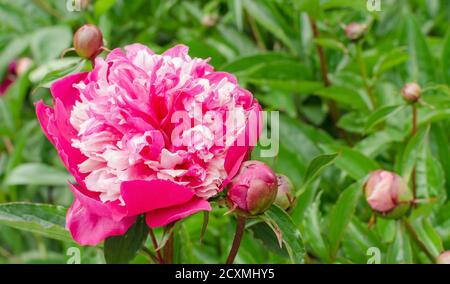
[141, 196]
[177, 51]
[91, 202]
[63, 89]
[88, 228]
[162, 217]
[70, 156]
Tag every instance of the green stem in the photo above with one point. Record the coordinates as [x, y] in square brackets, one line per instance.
[155, 246]
[240, 227]
[363, 71]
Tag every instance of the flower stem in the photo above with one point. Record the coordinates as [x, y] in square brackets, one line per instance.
[155, 246]
[168, 249]
[240, 227]
[363, 71]
[334, 111]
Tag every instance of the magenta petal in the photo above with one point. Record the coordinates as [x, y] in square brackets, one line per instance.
[141, 196]
[90, 201]
[63, 89]
[88, 228]
[70, 156]
[162, 217]
[234, 158]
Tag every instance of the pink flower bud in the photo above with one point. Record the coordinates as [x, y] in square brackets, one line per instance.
[444, 258]
[355, 31]
[254, 188]
[210, 20]
[388, 194]
[411, 92]
[285, 199]
[23, 65]
[88, 41]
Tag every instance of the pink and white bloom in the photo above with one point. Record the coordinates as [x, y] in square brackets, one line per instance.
[150, 134]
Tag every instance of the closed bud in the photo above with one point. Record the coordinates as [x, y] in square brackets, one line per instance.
[23, 64]
[355, 31]
[411, 92]
[253, 190]
[387, 194]
[88, 41]
[210, 20]
[285, 198]
[444, 258]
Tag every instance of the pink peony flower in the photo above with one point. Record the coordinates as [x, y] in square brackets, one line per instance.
[254, 189]
[386, 191]
[147, 133]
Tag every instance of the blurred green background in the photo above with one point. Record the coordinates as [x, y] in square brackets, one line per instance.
[271, 47]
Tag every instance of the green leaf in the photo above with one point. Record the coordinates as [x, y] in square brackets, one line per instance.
[37, 174]
[445, 58]
[267, 18]
[297, 86]
[102, 6]
[278, 219]
[342, 214]
[420, 65]
[245, 63]
[344, 96]
[49, 42]
[400, 251]
[409, 156]
[331, 44]
[430, 177]
[381, 115]
[312, 7]
[393, 58]
[312, 231]
[428, 236]
[43, 219]
[263, 233]
[122, 249]
[351, 161]
[316, 166]
[11, 52]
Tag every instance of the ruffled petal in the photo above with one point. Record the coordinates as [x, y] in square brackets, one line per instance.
[177, 51]
[162, 217]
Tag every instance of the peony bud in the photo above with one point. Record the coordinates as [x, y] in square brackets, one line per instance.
[444, 258]
[23, 65]
[254, 188]
[387, 194]
[210, 20]
[285, 198]
[88, 41]
[355, 31]
[411, 92]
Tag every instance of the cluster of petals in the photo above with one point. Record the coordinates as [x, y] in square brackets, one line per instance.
[144, 133]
